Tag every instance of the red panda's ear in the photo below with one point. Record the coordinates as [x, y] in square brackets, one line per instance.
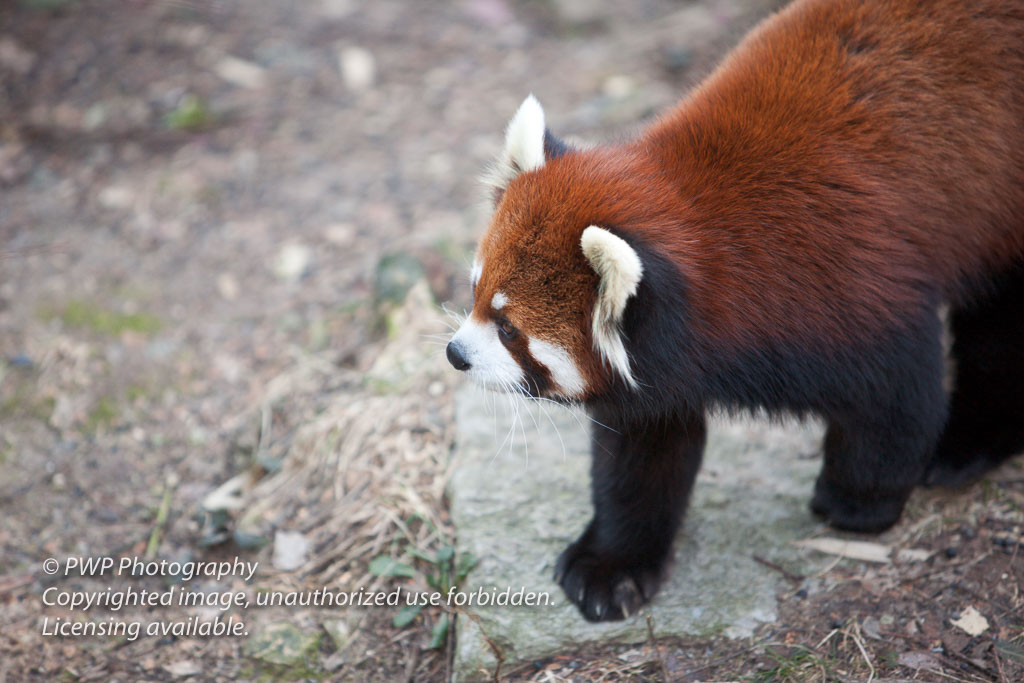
[619, 269]
[524, 137]
[528, 144]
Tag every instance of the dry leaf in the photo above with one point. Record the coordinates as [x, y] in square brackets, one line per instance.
[913, 554]
[856, 550]
[971, 622]
[919, 659]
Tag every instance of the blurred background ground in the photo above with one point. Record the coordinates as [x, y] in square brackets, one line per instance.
[225, 229]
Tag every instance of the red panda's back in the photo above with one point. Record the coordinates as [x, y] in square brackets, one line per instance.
[856, 149]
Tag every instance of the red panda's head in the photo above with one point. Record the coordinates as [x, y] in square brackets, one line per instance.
[550, 282]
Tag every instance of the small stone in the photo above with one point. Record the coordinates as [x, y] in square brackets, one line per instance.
[59, 482]
[677, 58]
[228, 366]
[183, 668]
[339, 632]
[618, 86]
[20, 360]
[340, 234]
[291, 550]
[951, 552]
[15, 58]
[241, 72]
[95, 116]
[116, 197]
[489, 13]
[227, 286]
[358, 67]
[336, 9]
[435, 389]
[579, 11]
[106, 515]
[64, 412]
[194, 35]
[292, 261]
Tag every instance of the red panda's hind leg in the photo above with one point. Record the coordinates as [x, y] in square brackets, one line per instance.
[986, 420]
[877, 450]
[641, 477]
[852, 492]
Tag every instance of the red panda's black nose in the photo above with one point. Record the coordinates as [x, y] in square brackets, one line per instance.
[455, 357]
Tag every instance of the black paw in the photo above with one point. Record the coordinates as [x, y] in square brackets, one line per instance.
[605, 589]
[867, 514]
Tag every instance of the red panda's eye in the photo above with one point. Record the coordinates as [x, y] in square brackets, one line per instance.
[507, 329]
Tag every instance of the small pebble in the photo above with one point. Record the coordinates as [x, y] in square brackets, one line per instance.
[20, 360]
[227, 286]
[292, 262]
[618, 86]
[677, 59]
[951, 552]
[358, 68]
[241, 72]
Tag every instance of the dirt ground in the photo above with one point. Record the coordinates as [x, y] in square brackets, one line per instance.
[226, 230]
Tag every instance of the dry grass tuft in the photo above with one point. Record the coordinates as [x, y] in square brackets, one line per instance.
[368, 470]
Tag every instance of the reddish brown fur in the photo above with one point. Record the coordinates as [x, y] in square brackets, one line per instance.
[850, 164]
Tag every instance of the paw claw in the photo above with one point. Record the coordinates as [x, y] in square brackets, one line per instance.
[605, 589]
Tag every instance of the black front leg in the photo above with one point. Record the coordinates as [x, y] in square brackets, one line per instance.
[641, 478]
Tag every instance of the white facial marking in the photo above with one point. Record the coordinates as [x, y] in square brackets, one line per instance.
[475, 272]
[563, 368]
[491, 365]
[620, 271]
[498, 301]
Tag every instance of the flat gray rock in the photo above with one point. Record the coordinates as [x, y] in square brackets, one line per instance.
[520, 493]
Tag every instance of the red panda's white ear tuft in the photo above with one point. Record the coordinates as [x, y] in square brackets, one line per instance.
[524, 145]
[619, 269]
[524, 138]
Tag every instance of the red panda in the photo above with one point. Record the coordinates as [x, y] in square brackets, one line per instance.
[782, 240]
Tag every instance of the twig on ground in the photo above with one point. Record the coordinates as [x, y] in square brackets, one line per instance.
[657, 651]
[858, 641]
[788, 575]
